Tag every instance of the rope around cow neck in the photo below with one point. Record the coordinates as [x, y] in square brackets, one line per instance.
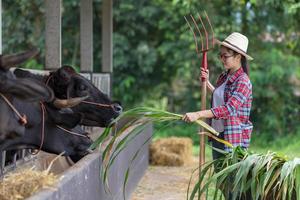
[43, 109]
[23, 118]
[42, 130]
[71, 132]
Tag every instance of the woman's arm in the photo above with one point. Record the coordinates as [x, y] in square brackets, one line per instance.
[193, 116]
[210, 86]
[205, 75]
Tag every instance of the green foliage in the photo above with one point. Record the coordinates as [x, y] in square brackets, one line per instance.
[275, 109]
[169, 74]
[22, 25]
[286, 145]
[155, 63]
[263, 176]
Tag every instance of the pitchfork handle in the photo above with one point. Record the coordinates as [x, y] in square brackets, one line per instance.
[204, 64]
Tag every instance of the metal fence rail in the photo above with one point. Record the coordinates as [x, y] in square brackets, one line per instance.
[9, 161]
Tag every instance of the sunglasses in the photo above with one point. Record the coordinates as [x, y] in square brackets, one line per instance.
[224, 56]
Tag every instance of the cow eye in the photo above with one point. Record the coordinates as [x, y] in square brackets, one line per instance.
[82, 87]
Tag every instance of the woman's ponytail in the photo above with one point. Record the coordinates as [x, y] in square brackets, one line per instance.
[245, 65]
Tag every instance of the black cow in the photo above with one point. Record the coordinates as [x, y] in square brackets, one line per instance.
[68, 137]
[55, 139]
[12, 123]
[97, 110]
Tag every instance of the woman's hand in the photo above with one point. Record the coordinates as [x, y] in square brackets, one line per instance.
[205, 75]
[191, 116]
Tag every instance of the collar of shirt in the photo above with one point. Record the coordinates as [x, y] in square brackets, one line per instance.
[235, 75]
[231, 77]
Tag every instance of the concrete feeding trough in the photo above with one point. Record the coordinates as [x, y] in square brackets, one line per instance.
[82, 180]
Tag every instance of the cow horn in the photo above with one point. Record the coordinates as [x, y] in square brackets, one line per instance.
[89, 150]
[8, 61]
[68, 103]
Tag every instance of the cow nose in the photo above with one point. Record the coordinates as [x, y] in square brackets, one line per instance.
[117, 107]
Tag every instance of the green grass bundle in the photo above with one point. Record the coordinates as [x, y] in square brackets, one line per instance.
[257, 176]
[261, 176]
[139, 118]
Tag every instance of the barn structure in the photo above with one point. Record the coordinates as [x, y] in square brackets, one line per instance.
[82, 180]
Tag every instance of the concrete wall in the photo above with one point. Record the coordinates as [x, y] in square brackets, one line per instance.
[82, 181]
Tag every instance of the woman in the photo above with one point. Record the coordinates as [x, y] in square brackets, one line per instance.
[232, 97]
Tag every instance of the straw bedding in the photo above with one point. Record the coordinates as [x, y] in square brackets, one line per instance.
[23, 183]
[173, 151]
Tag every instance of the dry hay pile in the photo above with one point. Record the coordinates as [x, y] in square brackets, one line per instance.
[173, 151]
[22, 184]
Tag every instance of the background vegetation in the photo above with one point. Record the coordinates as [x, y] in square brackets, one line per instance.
[154, 59]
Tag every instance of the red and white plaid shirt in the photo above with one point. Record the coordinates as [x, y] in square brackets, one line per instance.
[236, 110]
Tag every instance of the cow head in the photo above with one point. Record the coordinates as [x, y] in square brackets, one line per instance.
[66, 83]
[61, 140]
[11, 88]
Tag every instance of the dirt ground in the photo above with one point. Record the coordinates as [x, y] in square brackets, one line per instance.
[165, 183]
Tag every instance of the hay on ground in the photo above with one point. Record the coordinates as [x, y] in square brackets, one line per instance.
[22, 184]
[173, 151]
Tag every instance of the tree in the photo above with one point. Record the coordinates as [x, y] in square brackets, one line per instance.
[155, 63]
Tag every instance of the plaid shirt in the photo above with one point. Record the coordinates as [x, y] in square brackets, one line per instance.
[236, 111]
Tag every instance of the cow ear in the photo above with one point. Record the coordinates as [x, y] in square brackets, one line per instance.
[8, 61]
[27, 90]
[64, 74]
[68, 69]
[20, 73]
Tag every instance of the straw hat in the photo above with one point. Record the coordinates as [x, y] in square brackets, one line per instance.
[238, 43]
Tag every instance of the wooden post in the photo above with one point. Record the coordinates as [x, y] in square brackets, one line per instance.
[202, 136]
[86, 35]
[0, 27]
[203, 107]
[53, 34]
[107, 36]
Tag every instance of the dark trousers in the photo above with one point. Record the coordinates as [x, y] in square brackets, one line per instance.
[217, 155]
[218, 145]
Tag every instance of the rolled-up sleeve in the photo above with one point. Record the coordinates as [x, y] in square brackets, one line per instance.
[240, 93]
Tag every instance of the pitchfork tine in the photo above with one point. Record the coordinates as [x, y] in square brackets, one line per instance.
[206, 34]
[195, 37]
[212, 30]
[197, 27]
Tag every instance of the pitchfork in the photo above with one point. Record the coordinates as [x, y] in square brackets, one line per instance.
[205, 47]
